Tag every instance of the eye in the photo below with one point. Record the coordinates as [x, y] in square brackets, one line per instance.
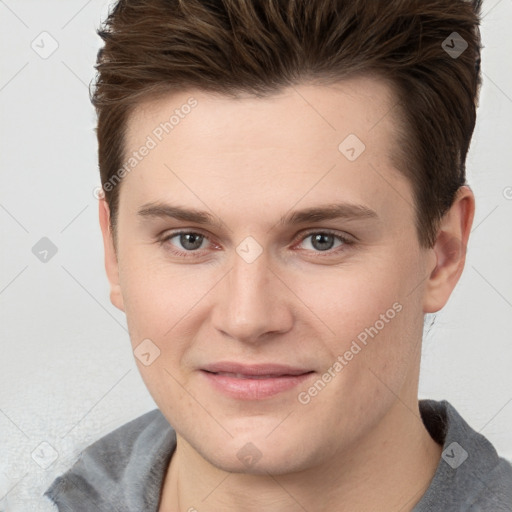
[188, 240]
[190, 243]
[324, 241]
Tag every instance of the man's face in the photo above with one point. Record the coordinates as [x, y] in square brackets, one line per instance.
[250, 290]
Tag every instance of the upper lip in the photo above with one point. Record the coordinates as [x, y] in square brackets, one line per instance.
[254, 369]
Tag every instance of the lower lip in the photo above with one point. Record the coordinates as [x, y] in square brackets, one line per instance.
[254, 389]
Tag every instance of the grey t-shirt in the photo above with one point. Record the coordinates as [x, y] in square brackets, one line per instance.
[124, 470]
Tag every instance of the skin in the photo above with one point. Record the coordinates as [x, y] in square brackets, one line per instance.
[359, 444]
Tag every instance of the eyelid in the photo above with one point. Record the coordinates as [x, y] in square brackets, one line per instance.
[347, 240]
[162, 239]
[343, 236]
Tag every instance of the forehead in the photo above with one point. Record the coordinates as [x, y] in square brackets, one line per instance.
[316, 112]
[305, 141]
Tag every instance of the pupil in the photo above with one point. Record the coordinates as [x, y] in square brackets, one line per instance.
[321, 239]
[190, 238]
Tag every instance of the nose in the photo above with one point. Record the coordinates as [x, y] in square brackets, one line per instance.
[252, 302]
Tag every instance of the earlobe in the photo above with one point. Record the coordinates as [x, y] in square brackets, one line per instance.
[111, 262]
[450, 251]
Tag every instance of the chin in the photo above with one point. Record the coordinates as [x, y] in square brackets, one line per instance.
[258, 454]
[274, 465]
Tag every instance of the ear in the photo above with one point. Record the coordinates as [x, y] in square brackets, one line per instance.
[111, 263]
[450, 250]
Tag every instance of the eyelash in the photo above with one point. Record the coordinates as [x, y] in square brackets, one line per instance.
[321, 254]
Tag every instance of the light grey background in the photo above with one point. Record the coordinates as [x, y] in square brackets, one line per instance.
[67, 374]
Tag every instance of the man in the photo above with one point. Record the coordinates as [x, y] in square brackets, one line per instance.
[284, 200]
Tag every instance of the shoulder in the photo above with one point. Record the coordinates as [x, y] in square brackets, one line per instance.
[471, 475]
[123, 468]
[123, 439]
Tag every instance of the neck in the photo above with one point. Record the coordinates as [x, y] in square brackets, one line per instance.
[390, 469]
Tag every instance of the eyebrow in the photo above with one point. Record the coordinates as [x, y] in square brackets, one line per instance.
[348, 211]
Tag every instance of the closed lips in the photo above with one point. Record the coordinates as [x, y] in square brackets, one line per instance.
[268, 376]
[246, 371]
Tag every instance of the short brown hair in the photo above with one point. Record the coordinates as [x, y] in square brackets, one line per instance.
[153, 47]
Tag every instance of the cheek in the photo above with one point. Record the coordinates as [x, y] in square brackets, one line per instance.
[155, 304]
[371, 354]
[351, 298]
[372, 320]
[164, 303]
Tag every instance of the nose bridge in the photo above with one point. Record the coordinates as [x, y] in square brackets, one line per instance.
[248, 305]
[249, 277]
